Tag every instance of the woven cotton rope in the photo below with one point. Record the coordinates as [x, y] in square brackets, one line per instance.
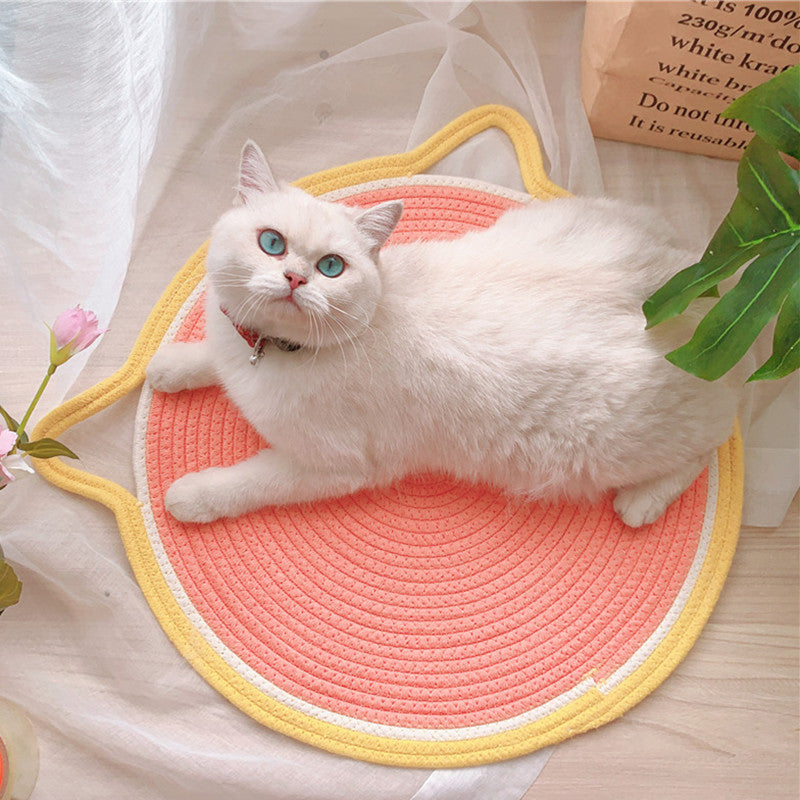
[431, 623]
[428, 614]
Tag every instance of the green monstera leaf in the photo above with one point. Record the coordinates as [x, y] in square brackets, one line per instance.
[785, 356]
[762, 227]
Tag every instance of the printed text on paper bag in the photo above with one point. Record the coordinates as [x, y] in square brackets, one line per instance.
[728, 74]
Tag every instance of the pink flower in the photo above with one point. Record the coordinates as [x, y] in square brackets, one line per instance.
[7, 441]
[73, 331]
[17, 462]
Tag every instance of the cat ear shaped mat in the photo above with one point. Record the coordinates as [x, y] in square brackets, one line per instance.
[432, 623]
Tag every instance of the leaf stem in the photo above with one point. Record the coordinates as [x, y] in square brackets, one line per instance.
[24, 421]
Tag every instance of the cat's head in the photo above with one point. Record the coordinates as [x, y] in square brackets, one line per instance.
[289, 265]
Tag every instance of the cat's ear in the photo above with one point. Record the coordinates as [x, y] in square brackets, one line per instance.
[377, 223]
[255, 176]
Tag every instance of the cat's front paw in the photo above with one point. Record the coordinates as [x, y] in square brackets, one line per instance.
[178, 366]
[164, 372]
[188, 499]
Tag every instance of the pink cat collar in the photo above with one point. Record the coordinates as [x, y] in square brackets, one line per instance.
[258, 341]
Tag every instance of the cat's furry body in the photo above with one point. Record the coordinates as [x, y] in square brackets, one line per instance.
[515, 356]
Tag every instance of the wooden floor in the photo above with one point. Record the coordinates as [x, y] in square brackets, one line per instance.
[724, 725]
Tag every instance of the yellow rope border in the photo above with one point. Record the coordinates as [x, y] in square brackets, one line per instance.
[589, 711]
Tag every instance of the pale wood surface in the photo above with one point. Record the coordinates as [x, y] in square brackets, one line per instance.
[724, 725]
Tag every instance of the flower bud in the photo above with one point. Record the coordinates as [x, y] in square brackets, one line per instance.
[73, 331]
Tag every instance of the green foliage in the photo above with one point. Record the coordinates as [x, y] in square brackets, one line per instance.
[762, 227]
[10, 585]
[46, 448]
[41, 448]
[12, 424]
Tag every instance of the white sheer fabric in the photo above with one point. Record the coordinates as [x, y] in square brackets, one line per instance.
[81, 91]
[120, 126]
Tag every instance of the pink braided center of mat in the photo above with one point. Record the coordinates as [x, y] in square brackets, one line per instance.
[430, 604]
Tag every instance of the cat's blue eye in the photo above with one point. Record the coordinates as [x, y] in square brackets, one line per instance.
[332, 266]
[272, 243]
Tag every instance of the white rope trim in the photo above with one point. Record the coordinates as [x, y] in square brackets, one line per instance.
[676, 609]
[428, 180]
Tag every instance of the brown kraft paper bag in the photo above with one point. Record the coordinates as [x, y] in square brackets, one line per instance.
[660, 73]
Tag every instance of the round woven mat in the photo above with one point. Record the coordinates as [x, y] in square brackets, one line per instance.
[430, 623]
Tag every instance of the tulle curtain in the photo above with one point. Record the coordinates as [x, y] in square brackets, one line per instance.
[82, 88]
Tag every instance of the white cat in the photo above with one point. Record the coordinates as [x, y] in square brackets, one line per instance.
[515, 356]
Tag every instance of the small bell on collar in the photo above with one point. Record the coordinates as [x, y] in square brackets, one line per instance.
[258, 351]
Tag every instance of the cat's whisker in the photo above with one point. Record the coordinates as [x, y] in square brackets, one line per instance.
[356, 338]
[246, 308]
[230, 281]
[257, 309]
[258, 301]
[339, 310]
[353, 339]
[230, 284]
[310, 337]
[366, 321]
[239, 311]
[326, 321]
[230, 277]
[314, 333]
[229, 270]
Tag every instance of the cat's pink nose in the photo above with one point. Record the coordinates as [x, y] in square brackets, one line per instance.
[294, 279]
